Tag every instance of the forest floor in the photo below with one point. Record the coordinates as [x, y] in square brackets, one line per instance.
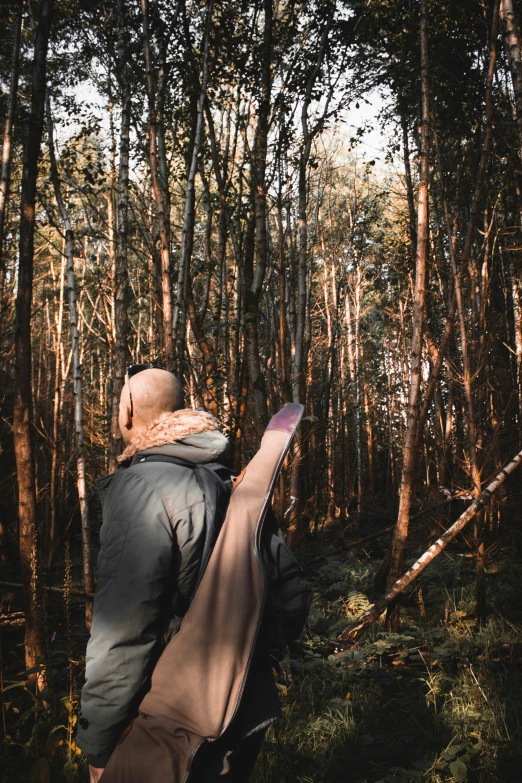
[439, 702]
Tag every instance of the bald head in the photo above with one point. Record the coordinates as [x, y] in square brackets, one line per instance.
[154, 392]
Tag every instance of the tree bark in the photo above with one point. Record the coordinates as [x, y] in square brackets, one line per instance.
[53, 489]
[254, 275]
[302, 310]
[419, 303]
[409, 186]
[5, 174]
[517, 324]
[513, 44]
[121, 276]
[160, 189]
[23, 405]
[187, 232]
[81, 483]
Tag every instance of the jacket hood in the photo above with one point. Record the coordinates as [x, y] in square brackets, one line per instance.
[190, 434]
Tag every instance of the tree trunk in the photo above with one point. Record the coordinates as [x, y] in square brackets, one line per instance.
[513, 44]
[23, 406]
[255, 275]
[409, 186]
[160, 189]
[53, 489]
[187, 232]
[369, 437]
[419, 303]
[517, 323]
[5, 174]
[299, 355]
[88, 577]
[121, 277]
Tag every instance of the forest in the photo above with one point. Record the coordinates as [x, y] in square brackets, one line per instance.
[190, 184]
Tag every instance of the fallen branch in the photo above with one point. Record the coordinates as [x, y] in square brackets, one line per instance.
[351, 633]
[17, 586]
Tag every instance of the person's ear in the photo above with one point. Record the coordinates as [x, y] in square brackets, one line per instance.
[125, 418]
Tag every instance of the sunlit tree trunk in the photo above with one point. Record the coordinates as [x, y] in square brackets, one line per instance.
[352, 319]
[369, 437]
[419, 303]
[23, 404]
[81, 483]
[5, 173]
[53, 489]
[158, 164]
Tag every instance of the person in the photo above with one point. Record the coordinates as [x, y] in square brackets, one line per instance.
[151, 544]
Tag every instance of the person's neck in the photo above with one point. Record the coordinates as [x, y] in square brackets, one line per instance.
[137, 430]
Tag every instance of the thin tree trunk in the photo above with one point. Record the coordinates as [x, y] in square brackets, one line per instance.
[409, 186]
[302, 310]
[419, 303]
[517, 323]
[467, 370]
[352, 317]
[53, 490]
[159, 187]
[81, 483]
[23, 405]
[369, 437]
[513, 44]
[255, 275]
[283, 368]
[187, 232]
[5, 174]
[371, 615]
[121, 277]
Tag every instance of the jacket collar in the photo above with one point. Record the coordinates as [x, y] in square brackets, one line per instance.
[170, 428]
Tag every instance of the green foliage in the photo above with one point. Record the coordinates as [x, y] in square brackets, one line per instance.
[434, 703]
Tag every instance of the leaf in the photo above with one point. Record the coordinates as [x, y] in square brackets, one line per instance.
[40, 773]
[452, 752]
[33, 670]
[448, 755]
[14, 685]
[459, 770]
[57, 728]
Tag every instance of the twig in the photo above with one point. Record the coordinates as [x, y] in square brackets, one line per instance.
[17, 586]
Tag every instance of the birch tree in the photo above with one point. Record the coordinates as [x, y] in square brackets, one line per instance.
[81, 482]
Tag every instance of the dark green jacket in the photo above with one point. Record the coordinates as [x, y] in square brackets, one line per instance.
[151, 541]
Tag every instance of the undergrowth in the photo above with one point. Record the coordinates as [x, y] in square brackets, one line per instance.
[440, 702]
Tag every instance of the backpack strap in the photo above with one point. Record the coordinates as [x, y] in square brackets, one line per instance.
[215, 482]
